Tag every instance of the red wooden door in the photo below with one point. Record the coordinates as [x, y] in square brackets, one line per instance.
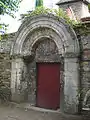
[48, 85]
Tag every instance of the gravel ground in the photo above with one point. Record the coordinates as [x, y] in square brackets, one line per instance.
[17, 113]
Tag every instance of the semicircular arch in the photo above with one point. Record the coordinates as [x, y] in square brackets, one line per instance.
[60, 32]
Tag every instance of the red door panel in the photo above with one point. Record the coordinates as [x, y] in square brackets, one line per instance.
[48, 85]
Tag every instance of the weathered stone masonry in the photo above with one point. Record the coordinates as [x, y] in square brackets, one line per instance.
[45, 39]
[5, 59]
[5, 68]
[85, 69]
[31, 34]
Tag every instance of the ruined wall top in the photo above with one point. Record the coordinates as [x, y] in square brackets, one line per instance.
[6, 43]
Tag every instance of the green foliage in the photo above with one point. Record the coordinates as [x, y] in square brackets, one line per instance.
[9, 6]
[83, 28]
[57, 13]
[4, 92]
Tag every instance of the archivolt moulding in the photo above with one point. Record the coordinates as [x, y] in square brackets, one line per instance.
[60, 32]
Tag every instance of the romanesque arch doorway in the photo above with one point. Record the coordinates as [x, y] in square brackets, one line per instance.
[26, 55]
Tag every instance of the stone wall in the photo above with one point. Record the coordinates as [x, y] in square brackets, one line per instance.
[5, 68]
[5, 60]
[85, 69]
[6, 43]
[83, 34]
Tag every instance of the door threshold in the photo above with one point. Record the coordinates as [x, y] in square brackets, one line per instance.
[31, 107]
[44, 109]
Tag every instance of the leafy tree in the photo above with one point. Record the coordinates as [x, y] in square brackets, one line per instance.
[9, 6]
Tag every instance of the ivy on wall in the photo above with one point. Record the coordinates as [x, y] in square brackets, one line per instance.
[84, 28]
[58, 13]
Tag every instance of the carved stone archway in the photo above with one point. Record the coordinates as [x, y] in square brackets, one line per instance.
[34, 30]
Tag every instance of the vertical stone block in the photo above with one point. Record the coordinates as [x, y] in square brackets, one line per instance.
[71, 81]
[16, 77]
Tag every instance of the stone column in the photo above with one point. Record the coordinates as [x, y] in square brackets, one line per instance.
[16, 77]
[71, 84]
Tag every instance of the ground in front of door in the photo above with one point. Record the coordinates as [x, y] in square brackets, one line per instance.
[14, 113]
